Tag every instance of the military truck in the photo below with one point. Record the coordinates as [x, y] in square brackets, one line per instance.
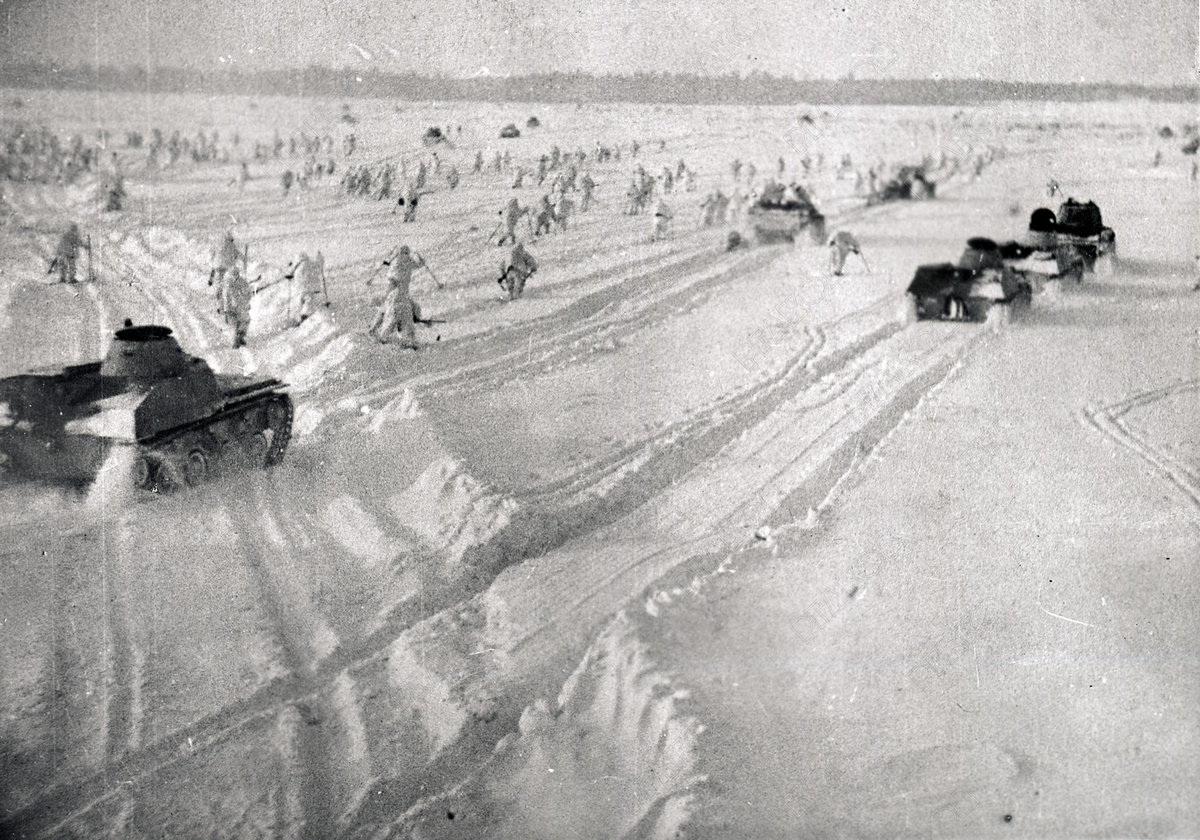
[780, 213]
[181, 422]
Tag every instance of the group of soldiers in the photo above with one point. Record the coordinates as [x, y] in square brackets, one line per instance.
[398, 313]
[38, 155]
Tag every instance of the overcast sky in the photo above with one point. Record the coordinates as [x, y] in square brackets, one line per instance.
[1025, 40]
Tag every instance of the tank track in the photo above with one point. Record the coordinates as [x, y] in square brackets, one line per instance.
[168, 466]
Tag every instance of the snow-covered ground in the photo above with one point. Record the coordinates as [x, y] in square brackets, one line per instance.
[685, 540]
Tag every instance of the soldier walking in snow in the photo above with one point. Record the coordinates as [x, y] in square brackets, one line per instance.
[226, 259]
[409, 202]
[234, 303]
[233, 294]
[398, 311]
[662, 221]
[546, 217]
[516, 271]
[243, 176]
[841, 245]
[513, 213]
[310, 272]
[67, 253]
[589, 187]
[563, 208]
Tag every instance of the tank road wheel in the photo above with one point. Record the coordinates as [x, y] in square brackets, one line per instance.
[199, 457]
[142, 472]
[167, 475]
[955, 308]
[196, 467]
[279, 418]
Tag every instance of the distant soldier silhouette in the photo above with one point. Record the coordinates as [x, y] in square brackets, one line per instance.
[67, 252]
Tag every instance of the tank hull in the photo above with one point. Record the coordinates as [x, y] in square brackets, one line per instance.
[182, 423]
[772, 225]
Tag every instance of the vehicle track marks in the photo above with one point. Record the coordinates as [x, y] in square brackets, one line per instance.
[1108, 421]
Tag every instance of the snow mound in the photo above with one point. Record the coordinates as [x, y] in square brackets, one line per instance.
[403, 407]
[613, 756]
[451, 510]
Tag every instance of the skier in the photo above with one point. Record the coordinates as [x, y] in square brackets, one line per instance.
[517, 270]
[67, 252]
[397, 312]
[233, 301]
[513, 212]
[841, 245]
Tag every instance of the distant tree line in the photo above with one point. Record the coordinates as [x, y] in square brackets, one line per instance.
[680, 88]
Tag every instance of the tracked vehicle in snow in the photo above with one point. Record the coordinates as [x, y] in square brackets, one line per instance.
[1041, 258]
[182, 423]
[782, 212]
[910, 184]
[1080, 227]
[969, 289]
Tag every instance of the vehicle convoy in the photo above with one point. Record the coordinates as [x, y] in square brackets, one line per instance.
[1079, 226]
[968, 290]
[782, 212]
[182, 422]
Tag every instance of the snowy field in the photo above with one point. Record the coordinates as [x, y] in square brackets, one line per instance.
[686, 542]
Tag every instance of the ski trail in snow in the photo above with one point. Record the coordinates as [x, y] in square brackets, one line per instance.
[304, 639]
[1108, 421]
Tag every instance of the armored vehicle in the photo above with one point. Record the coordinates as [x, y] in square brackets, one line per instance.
[1040, 257]
[182, 422]
[968, 290]
[1079, 226]
[910, 183]
[782, 212]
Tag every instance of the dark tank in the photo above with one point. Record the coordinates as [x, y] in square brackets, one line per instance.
[780, 213]
[183, 422]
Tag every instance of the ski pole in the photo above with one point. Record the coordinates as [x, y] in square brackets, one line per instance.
[91, 272]
[431, 274]
[324, 288]
[864, 259]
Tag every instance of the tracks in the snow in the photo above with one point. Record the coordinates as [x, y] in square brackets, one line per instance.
[1109, 421]
[637, 301]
